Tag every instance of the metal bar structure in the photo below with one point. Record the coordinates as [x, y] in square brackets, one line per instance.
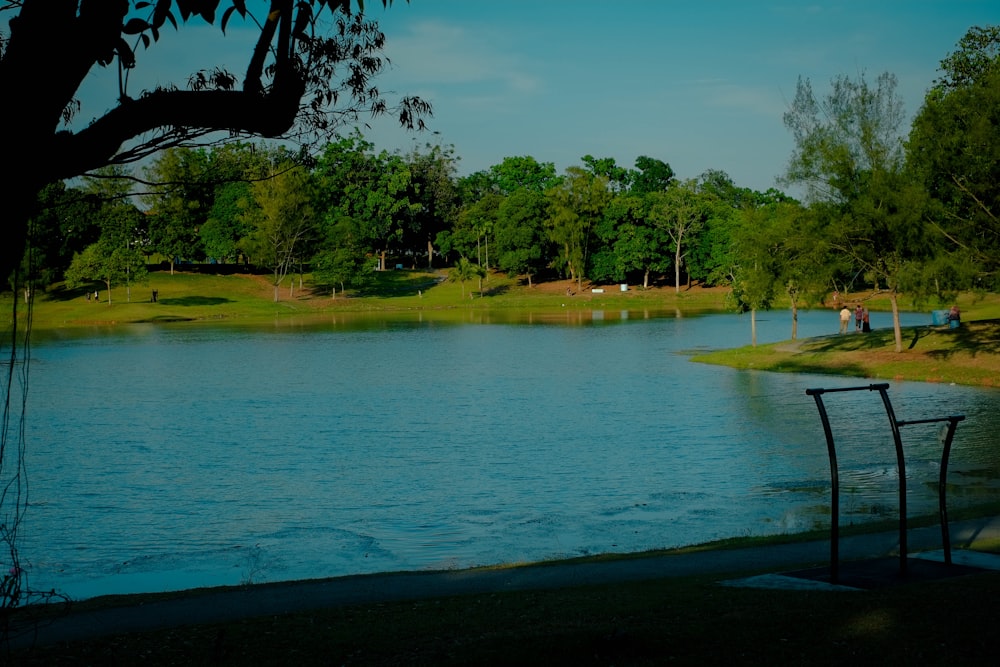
[942, 475]
[895, 425]
[831, 449]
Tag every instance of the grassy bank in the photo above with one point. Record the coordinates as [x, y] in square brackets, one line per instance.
[183, 297]
[968, 355]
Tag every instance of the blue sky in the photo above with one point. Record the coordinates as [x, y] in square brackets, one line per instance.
[700, 85]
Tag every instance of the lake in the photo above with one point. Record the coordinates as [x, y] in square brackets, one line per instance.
[163, 457]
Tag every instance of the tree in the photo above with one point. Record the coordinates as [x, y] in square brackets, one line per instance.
[474, 219]
[65, 224]
[435, 195]
[619, 178]
[372, 189]
[282, 217]
[465, 270]
[576, 206]
[755, 272]
[849, 154]
[343, 258]
[515, 173]
[226, 226]
[181, 205]
[651, 175]
[630, 241]
[115, 258]
[520, 233]
[680, 211]
[309, 71]
[954, 152]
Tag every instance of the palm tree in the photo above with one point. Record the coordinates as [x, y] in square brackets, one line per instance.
[465, 270]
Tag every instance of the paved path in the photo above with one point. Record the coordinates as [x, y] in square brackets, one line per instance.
[280, 598]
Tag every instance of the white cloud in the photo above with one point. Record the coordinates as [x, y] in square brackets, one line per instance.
[435, 52]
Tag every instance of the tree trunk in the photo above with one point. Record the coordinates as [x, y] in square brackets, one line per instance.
[645, 279]
[677, 269]
[753, 327]
[897, 332]
[795, 319]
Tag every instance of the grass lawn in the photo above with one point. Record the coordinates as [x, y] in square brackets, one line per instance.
[967, 355]
[184, 296]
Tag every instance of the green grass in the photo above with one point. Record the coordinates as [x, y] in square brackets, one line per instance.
[969, 355]
[238, 298]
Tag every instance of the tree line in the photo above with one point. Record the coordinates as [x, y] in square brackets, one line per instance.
[908, 213]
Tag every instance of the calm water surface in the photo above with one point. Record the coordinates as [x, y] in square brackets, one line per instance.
[171, 456]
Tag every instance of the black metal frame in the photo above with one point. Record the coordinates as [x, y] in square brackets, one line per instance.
[895, 425]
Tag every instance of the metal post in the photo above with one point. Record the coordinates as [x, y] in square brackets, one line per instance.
[943, 477]
[817, 395]
[901, 467]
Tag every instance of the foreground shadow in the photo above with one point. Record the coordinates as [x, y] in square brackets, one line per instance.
[971, 338]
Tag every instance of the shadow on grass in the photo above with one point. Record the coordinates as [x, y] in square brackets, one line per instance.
[397, 283]
[63, 293]
[971, 338]
[850, 342]
[496, 291]
[195, 301]
[164, 319]
[981, 336]
[803, 366]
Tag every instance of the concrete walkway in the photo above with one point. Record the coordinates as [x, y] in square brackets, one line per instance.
[766, 564]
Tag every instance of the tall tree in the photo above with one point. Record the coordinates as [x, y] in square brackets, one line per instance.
[680, 211]
[464, 271]
[954, 150]
[520, 233]
[619, 178]
[651, 175]
[344, 257]
[180, 205]
[630, 242]
[66, 223]
[283, 218]
[372, 189]
[232, 168]
[576, 206]
[116, 257]
[515, 173]
[434, 194]
[755, 272]
[849, 155]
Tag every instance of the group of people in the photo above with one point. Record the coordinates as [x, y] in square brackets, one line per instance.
[861, 319]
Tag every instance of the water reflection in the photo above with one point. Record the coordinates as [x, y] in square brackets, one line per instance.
[171, 456]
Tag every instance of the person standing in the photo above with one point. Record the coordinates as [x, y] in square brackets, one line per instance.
[845, 318]
[858, 314]
[866, 325]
